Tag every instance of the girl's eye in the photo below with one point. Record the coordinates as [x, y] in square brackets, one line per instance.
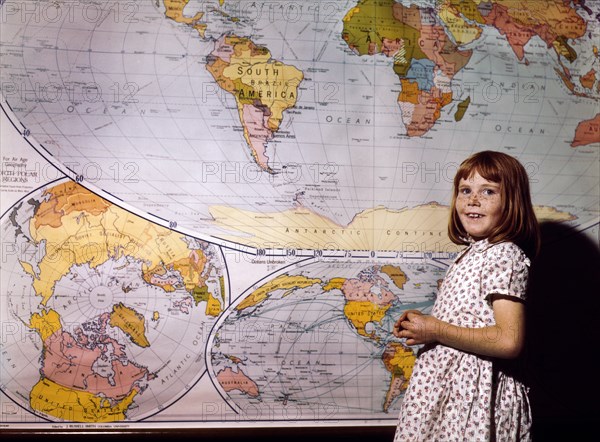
[465, 191]
[488, 192]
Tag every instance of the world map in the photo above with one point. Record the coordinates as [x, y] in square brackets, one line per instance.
[228, 203]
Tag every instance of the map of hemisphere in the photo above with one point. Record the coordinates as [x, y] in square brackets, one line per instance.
[316, 341]
[114, 309]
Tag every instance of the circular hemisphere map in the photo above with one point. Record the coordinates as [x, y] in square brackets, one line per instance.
[315, 341]
[298, 129]
[105, 315]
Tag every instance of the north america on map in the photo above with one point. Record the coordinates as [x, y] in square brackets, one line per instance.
[102, 293]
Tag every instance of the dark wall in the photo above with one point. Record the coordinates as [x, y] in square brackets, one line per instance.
[563, 346]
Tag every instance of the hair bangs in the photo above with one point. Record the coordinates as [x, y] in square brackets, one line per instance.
[485, 165]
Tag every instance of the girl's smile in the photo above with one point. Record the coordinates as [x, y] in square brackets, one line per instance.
[479, 205]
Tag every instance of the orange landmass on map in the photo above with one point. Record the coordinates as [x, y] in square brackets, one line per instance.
[132, 323]
[334, 284]
[399, 361]
[588, 80]
[360, 313]
[554, 21]
[587, 132]
[237, 380]
[396, 275]
[427, 109]
[65, 199]
[410, 92]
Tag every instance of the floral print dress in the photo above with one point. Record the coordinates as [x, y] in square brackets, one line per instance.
[459, 396]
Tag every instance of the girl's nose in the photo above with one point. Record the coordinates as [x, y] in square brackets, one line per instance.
[473, 199]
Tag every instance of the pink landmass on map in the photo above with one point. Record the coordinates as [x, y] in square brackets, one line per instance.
[357, 290]
[184, 306]
[435, 44]
[68, 363]
[256, 121]
[163, 281]
[237, 380]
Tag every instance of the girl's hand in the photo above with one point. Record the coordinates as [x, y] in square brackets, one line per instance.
[416, 327]
[504, 339]
[398, 328]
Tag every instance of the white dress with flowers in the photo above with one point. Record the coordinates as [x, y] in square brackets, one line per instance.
[459, 396]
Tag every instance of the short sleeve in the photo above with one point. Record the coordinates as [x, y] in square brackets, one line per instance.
[505, 271]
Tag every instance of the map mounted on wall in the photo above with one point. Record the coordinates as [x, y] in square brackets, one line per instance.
[207, 189]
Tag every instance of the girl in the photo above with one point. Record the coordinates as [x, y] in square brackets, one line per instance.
[459, 390]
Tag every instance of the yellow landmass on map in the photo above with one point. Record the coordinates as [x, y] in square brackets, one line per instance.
[46, 323]
[131, 322]
[351, 12]
[282, 282]
[334, 284]
[263, 88]
[419, 229]
[213, 306]
[28, 268]
[360, 313]
[75, 405]
[271, 82]
[548, 213]
[174, 11]
[461, 30]
[396, 275]
[80, 228]
[399, 360]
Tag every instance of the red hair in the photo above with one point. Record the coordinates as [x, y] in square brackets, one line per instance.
[519, 224]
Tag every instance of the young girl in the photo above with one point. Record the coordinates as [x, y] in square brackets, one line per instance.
[459, 390]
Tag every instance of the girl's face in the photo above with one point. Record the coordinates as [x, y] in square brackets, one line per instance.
[478, 205]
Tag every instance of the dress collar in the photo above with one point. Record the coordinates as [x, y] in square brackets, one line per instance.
[473, 246]
[481, 245]
[478, 245]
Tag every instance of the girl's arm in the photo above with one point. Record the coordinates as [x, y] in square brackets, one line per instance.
[505, 339]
